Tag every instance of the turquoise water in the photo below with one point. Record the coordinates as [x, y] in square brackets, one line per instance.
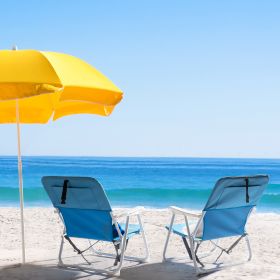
[152, 182]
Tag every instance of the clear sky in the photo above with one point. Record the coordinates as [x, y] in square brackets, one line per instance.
[201, 78]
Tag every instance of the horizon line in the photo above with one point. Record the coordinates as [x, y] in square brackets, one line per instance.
[166, 157]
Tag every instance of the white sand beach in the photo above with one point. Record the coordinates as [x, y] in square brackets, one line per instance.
[43, 230]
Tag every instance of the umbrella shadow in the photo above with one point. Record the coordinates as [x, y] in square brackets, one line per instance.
[34, 271]
[53, 272]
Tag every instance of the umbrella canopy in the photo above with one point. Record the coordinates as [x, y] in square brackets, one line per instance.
[37, 85]
[59, 85]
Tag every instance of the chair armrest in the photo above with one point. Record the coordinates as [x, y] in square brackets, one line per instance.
[129, 212]
[177, 210]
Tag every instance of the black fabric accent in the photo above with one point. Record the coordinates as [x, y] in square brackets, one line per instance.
[187, 247]
[115, 232]
[77, 249]
[190, 253]
[72, 244]
[70, 187]
[64, 192]
[118, 255]
[246, 187]
[242, 186]
[247, 190]
[229, 250]
[117, 259]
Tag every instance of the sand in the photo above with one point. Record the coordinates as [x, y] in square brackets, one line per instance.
[43, 230]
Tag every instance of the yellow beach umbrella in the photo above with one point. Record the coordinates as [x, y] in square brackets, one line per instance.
[36, 86]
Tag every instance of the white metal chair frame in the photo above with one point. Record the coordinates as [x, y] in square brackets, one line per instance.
[122, 242]
[193, 241]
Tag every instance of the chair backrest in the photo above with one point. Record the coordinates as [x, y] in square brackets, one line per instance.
[83, 205]
[229, 205]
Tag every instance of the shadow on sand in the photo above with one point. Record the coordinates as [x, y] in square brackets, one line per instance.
[162, 271]
[152, 271]
[42, 272]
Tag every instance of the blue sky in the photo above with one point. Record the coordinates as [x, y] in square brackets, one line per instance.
[201, 78]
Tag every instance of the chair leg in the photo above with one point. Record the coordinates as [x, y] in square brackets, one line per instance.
[147, 254]
[117, 259]
[203, 271]
[190, 253]
[122, 248]
[187, 247]
[192, 248]
[168, 237]
[249, 248]
[117, 247]
[60, 262]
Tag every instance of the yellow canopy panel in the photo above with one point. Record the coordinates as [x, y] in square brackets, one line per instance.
[26, 73]
[39, 109]
[81, 81]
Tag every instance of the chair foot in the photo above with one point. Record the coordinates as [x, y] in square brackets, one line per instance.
[146, 260]
[61, 265]
[116, 272]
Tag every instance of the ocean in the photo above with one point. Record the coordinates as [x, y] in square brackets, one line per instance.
[150, 182]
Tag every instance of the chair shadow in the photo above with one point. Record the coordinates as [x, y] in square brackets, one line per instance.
[162, 271]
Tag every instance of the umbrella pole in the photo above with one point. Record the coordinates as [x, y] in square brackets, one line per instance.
[20, 184]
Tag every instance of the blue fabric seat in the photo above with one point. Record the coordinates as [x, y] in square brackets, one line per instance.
[180, 229]
[132, 230]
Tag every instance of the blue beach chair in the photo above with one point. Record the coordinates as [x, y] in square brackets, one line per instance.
[224, 215]
[86, 213]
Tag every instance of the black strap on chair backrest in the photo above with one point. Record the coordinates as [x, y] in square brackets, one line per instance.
[237, 191]
[247, 190]
[64, 192]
